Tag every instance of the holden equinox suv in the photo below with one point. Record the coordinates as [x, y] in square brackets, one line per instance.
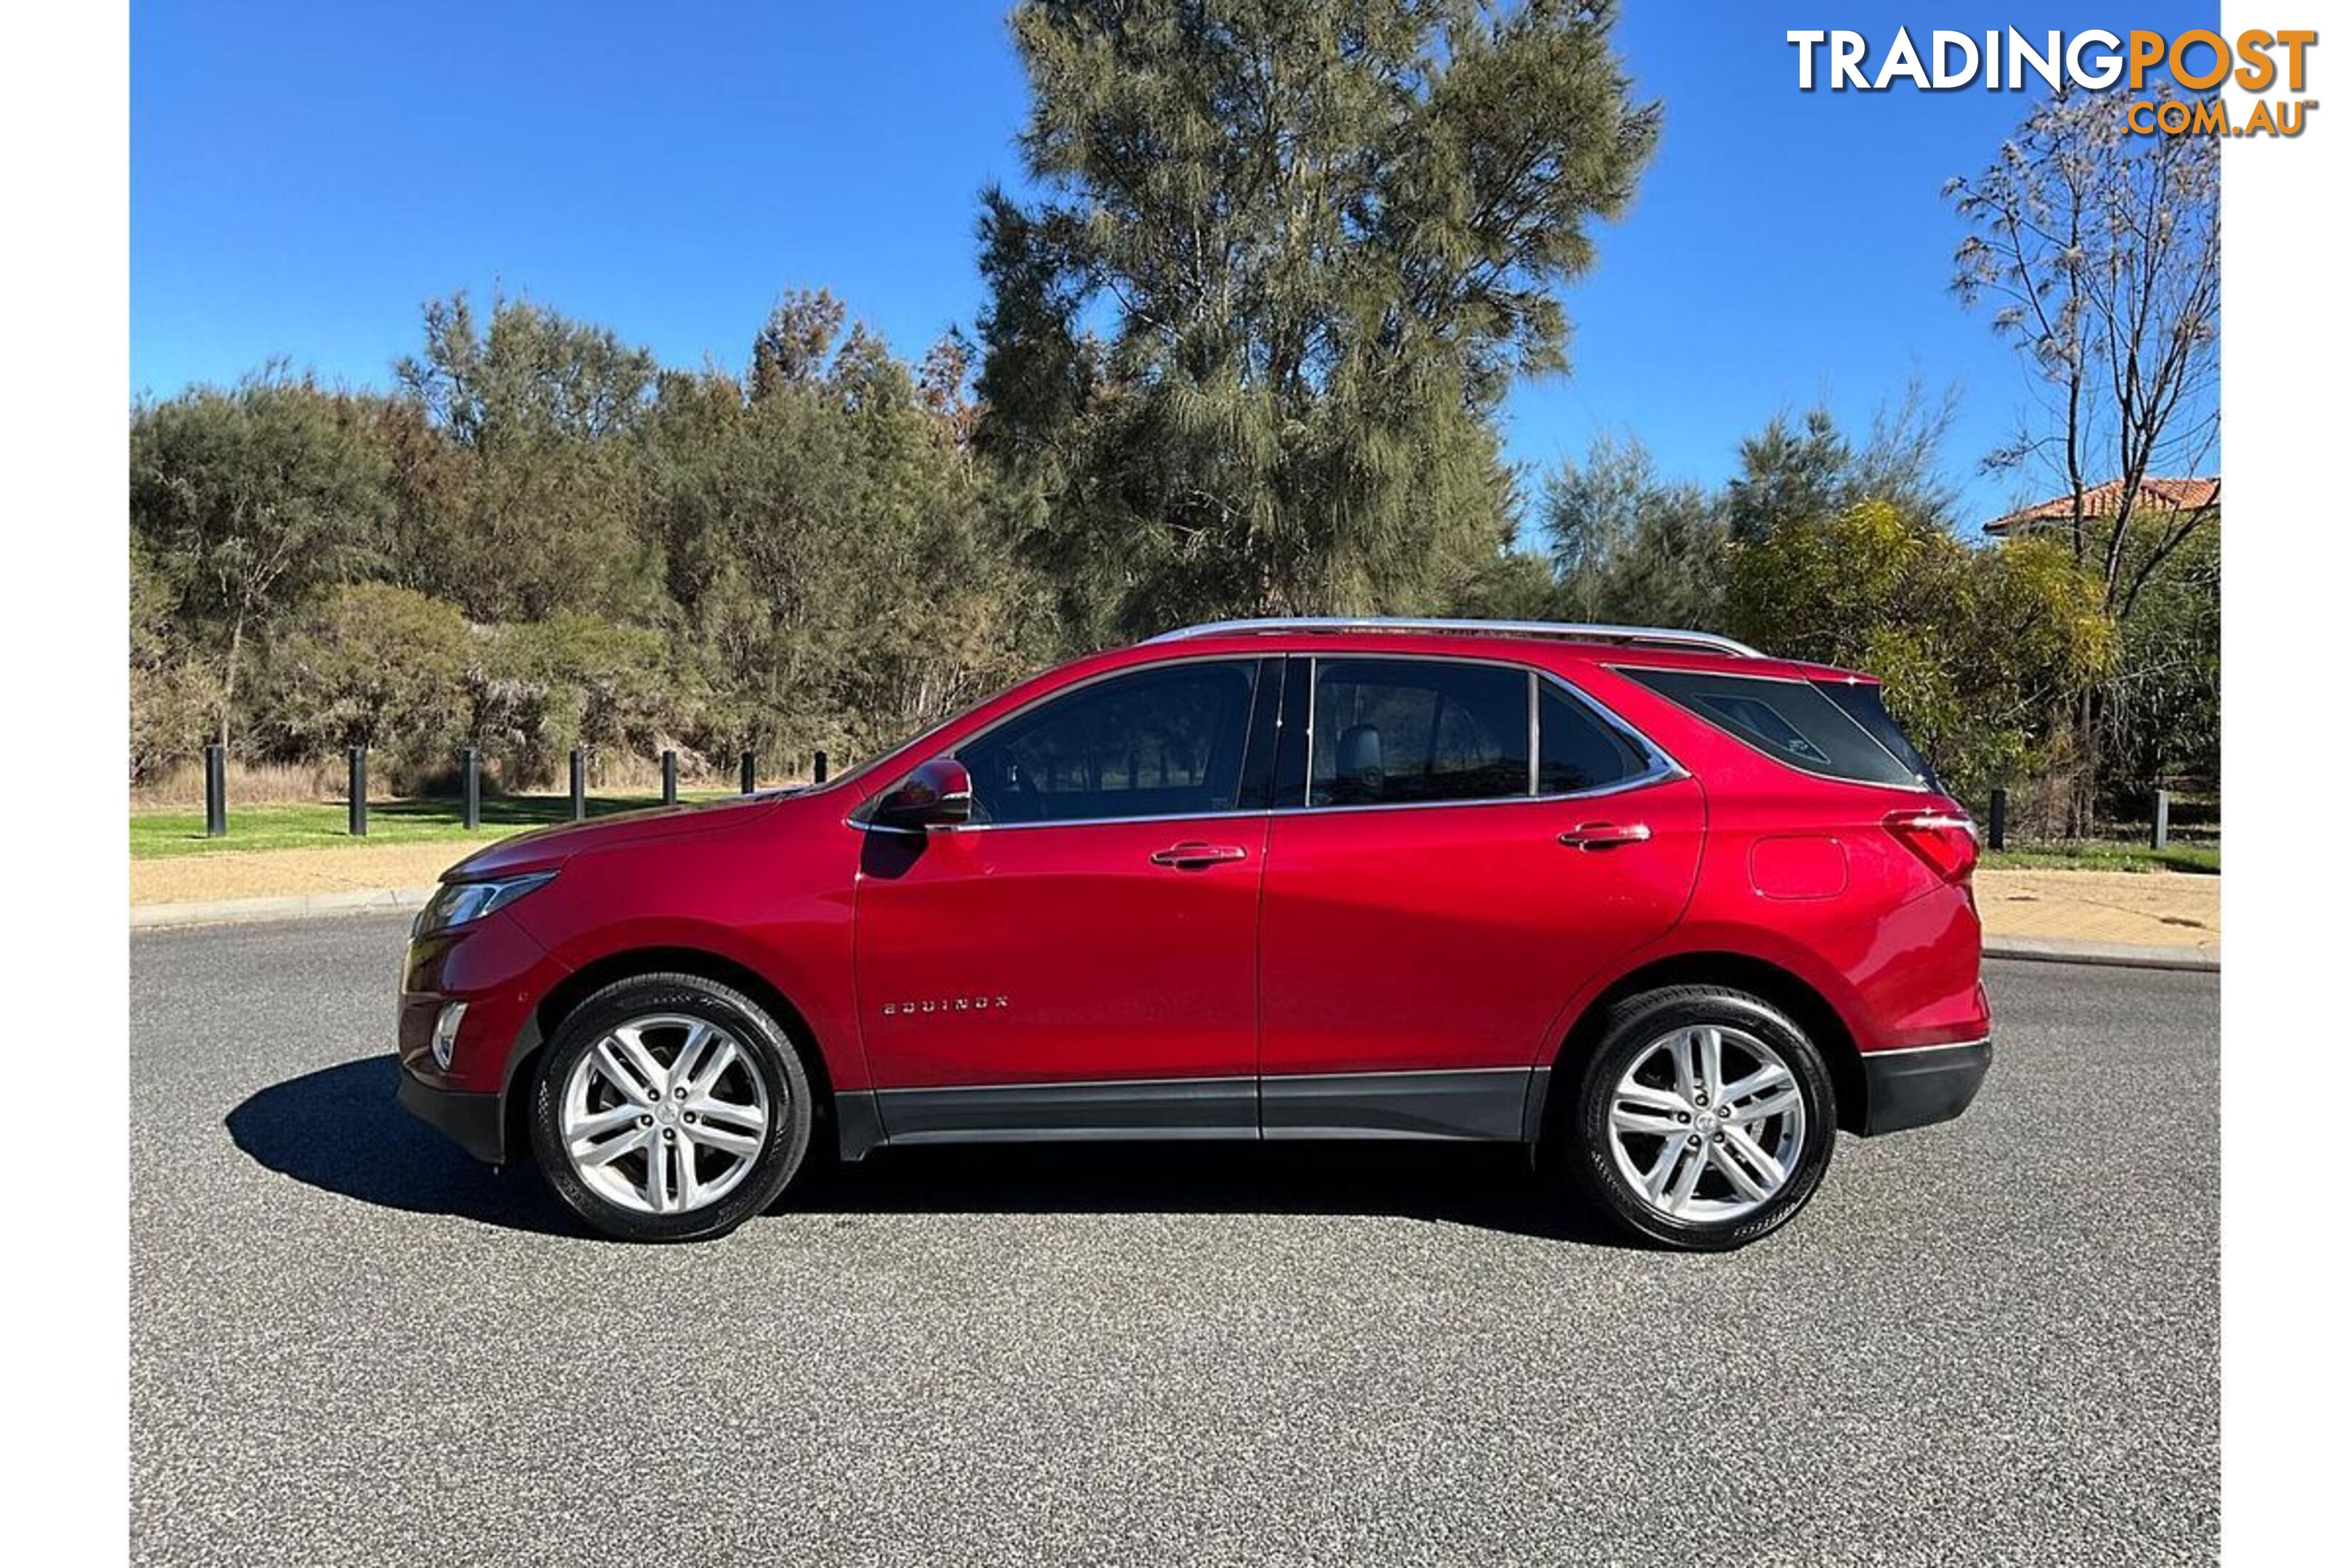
[1668, 911]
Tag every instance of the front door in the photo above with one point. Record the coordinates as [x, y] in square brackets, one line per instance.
[1423, 921]
[1081, 957]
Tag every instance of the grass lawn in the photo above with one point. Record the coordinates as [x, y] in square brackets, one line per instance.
[323, 825]
[2203, 859]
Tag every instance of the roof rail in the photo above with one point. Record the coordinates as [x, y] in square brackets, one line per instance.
[1655, 636]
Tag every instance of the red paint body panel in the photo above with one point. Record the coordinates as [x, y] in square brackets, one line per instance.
[1086, 959]
[767, 888]
[1340, 940]
[1434, 936]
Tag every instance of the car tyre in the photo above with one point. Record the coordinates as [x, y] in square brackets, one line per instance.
[628, 1067]
[1650, 1143]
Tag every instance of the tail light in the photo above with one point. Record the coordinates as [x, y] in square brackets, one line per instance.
[1945, 840]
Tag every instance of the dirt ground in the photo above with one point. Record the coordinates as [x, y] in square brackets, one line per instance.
[282, 873]
[2152, 908]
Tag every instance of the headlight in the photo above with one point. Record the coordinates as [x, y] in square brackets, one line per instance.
[460, 903]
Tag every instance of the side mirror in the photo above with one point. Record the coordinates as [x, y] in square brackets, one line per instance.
[937, 794]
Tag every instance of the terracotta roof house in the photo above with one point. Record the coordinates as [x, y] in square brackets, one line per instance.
[2099, 501]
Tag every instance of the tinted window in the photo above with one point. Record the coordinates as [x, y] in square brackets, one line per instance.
[1862, 702]
[1159, 742]
[1397, 731]
[1787, 720]
[1578, 751]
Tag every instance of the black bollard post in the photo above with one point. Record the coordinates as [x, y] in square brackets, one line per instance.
[1997, 823]
[216, 791]
[669, 778]
[820, 767]
[750, 772]
[579, 784]
[359, 791]
[469, 762]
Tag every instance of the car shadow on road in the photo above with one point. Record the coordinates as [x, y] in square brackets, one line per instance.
[338, 1130]
[1485, 1186]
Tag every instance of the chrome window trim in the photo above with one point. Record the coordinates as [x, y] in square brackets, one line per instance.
[1661, 766]
[1915, 787]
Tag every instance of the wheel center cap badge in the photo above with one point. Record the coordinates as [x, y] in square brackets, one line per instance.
[1707, 1122]
[664, 1114]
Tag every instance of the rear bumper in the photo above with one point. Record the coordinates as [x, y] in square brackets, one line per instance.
[1924, 1085]
[476, 1122]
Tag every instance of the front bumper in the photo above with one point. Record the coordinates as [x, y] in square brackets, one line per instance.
[501, 972]
[1922, 1086]
[477, 1123]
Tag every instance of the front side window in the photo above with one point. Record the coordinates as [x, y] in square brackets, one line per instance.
[1156, 742]
[1408, 731]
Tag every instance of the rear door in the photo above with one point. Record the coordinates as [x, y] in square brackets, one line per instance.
[1458, 844]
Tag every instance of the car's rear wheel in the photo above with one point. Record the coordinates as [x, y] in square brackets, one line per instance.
[1703, 1120]
[669, 1108]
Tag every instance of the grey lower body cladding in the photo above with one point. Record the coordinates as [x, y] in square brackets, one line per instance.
[1472, 1104]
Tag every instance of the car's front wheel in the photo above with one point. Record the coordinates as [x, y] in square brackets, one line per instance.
[669, 1108]
[1703, 1120]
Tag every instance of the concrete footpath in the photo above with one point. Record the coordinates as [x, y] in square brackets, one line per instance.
[2152, 919]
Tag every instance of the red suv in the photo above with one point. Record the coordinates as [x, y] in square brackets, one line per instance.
[1649, 901]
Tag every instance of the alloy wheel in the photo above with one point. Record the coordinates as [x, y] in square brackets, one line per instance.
[1707, 1124]
[664, 1114]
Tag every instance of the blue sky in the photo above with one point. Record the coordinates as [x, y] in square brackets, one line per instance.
[305, 176]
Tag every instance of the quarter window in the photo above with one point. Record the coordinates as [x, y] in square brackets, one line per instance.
[1157, 742]
[1791, 720]
[1578, 752]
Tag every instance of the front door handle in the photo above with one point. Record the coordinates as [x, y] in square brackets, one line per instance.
[1190, 855]
[1605, 835]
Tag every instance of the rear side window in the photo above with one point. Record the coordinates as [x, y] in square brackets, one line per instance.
[1793, 722]
[1398, 732]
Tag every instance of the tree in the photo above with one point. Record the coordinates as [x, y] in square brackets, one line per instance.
[174, 700]
[545, 512]
[1630, 547]
[1975, 645]
[2161, 715]
[2100, 253]
[1319, 240]
[246, 500]
[832, 548]
[541, 687]
[370, 664]
[1810, 469]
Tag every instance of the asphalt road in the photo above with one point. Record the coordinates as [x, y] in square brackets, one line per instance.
[1994, 1341]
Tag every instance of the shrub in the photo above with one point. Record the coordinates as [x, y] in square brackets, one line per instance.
[370, 664]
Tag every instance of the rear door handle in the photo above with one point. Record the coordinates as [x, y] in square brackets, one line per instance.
[1605, 835]
[1190, 855]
